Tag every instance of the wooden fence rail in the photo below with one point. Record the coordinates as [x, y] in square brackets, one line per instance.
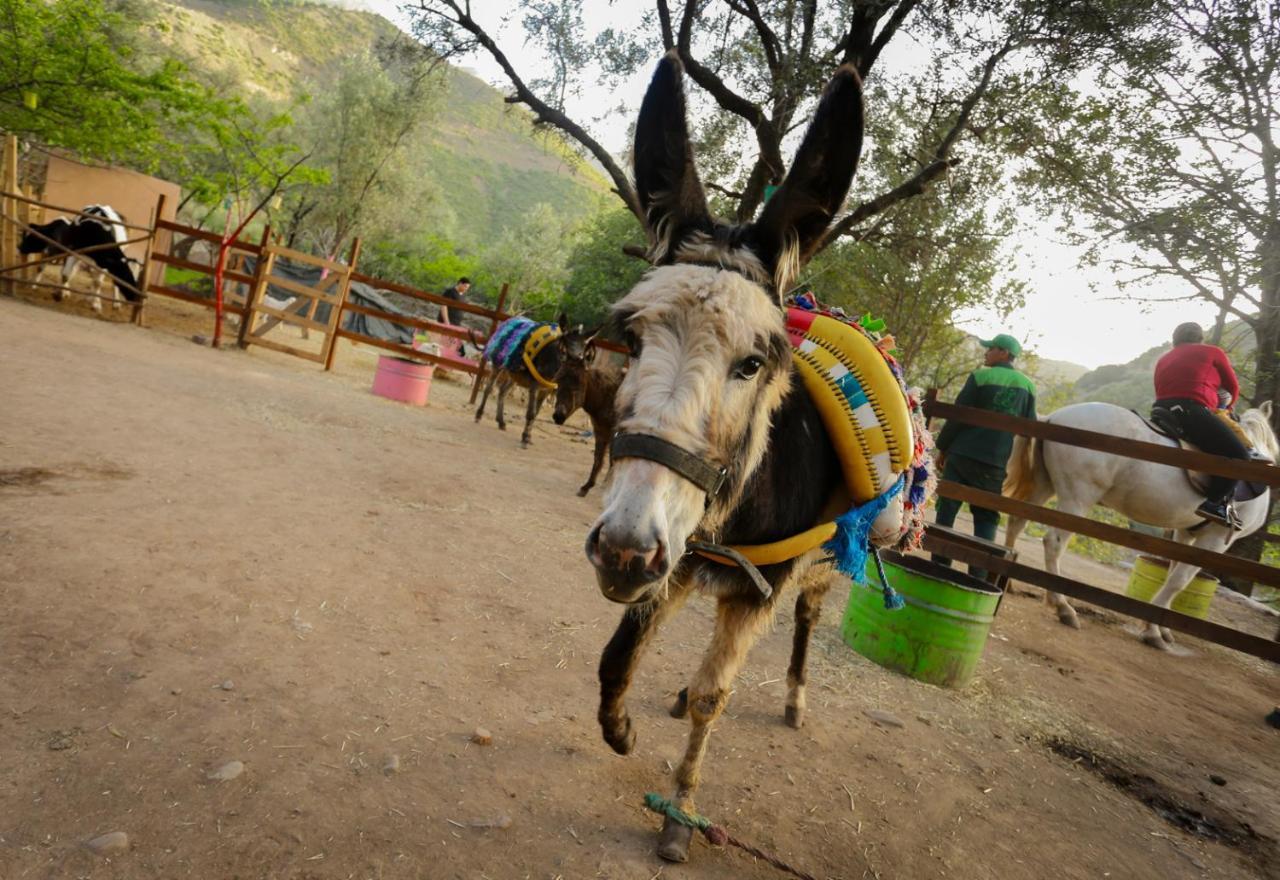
[1126, 448]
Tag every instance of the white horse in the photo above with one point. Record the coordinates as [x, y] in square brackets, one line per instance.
[1156, 494]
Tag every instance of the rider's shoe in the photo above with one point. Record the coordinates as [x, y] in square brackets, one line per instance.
[1215, 512]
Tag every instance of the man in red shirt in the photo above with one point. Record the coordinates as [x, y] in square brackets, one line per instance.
[1192, 381]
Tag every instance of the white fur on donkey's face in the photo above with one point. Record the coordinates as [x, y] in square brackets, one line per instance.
[697, 327]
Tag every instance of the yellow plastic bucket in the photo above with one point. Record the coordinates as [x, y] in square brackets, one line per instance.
[1148, 577]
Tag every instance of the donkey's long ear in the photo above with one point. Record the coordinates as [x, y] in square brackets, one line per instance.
[794, 220]
[666, 179]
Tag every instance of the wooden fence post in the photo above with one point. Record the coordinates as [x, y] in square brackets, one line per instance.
[261, 270]
[8, 231]
[335, 309]
[493, 325]
[144, 277]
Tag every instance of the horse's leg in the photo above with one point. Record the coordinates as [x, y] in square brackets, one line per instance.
[98, 276]
[69, 267]
[808, 610]
[1181, 574]
[738, 623]
[1055, 541]
[536, 398]
[618, 662]
[484, 397]
[602, 444]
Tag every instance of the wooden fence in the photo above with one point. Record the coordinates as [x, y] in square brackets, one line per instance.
[245, 288]
[974, 554]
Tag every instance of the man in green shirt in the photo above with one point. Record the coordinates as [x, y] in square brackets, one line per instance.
[974, 456]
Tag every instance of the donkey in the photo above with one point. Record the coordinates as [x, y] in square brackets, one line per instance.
[516, 372]
[97, 225]
[583, 383]
[717, 439]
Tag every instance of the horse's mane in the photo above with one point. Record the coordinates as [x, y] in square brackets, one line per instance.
[1258, 426]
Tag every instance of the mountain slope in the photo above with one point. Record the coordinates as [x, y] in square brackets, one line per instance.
[483, 155]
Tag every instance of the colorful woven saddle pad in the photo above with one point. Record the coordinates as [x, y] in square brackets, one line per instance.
[862, 401]
[517, 342]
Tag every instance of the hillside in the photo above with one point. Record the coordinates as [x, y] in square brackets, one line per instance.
[483, 155]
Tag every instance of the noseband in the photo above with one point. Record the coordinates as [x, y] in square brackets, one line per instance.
[703, 474]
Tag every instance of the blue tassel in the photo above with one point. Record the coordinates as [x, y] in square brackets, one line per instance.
[850, 543]
[892, 598]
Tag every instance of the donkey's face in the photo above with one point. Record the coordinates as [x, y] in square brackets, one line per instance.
[710, 356]
[576, 354]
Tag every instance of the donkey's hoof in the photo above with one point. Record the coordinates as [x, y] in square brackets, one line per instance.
[680, 708]
[582, 493]
[525, 444]
[1067, 616]
[673, 842]
[502, 426]
[622, 737]
[795, 717]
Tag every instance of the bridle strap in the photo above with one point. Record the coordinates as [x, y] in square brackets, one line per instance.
[706, 476]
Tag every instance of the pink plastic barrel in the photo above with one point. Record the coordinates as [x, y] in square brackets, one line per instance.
[402, 380]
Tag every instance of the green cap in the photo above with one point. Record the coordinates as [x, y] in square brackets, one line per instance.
[1005, 341]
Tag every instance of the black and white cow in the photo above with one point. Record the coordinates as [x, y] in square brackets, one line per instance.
[97, 225]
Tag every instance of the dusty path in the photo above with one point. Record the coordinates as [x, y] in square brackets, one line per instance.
[375, 580]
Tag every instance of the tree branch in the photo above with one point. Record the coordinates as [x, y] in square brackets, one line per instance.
[543, 112]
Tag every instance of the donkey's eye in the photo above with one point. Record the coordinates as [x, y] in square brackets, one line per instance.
[748, 367]
[632, 341]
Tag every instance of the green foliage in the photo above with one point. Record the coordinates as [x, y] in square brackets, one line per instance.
[1093, 548]
[533, 257]
[431, 263]
[928, 257]
[600, 273]
[70, 77]
[357, 130]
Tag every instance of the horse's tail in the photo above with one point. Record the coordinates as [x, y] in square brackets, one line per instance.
[1025, 470]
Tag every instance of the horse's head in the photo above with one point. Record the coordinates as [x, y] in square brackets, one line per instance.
[576, 355]
[710, 358]
[1257, 424]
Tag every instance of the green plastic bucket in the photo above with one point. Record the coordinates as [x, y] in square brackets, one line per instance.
[1148, 577]
[938, 637]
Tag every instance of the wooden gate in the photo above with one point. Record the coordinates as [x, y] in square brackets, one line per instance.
[300, 310]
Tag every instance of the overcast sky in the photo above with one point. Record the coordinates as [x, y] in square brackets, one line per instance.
[1071, 314]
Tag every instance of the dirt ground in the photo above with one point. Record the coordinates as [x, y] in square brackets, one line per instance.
[214, 556]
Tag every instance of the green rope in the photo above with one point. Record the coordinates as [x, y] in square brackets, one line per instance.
[658, 804]
[716, 834]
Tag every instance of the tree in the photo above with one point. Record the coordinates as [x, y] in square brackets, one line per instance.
[533, 256]
[600, 272]
[1168, 168]
[760, 66]
[70, 77]
[929, 257]
[357, 128]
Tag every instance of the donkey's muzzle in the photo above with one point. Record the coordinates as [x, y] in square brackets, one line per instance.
[559, 416]
[627, 566]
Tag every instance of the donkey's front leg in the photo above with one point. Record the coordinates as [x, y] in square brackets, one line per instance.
[618, 663]
[602, 446]
[536, 398]
[738, 624]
